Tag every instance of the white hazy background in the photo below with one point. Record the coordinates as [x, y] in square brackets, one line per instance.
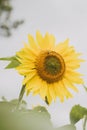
[64, 19]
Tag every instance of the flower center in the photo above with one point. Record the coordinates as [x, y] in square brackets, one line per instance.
[50, 66]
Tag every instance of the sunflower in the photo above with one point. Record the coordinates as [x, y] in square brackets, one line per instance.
[49, 69]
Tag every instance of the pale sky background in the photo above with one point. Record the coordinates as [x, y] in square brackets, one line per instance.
[64, 19]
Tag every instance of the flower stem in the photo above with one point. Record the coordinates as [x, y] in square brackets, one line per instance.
[84, 123]
[21, 96]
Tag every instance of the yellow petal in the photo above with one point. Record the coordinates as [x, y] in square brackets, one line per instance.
[64, 90]
[61, 47]
[46, 42]
[73, 73]
[39, 38]
[51, 41]
[36, 92]
[29, 77]
[69, 84]
[34, 84]
[69, 51]
[52, 91]
[26, 53]
[43, 90]
[49, 98]
[24, 69]
[32, 42]
[28, 49]
[27, 92]
[72, 66]
[59, 92]
[73, 58]
[73, 79]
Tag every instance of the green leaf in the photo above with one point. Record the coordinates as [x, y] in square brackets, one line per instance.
[23, 104]
[23, 119]
[42, 110]
[78, 112]
[67, 127]
[14, 62]
[85, 87]
[37, 118]
[8, 58]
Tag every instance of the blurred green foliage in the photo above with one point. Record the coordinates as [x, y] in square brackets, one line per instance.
[22, 118]
[6, 25]
[5, 5]
[77, 113]
[12, 118]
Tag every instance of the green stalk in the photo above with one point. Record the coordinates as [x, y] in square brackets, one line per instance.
[21, 96]
[84, 123]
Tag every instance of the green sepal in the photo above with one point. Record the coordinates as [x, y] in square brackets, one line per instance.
[77, 112]
[8, 58]
[13, 62]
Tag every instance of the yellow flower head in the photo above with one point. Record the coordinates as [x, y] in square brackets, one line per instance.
[49, 69]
